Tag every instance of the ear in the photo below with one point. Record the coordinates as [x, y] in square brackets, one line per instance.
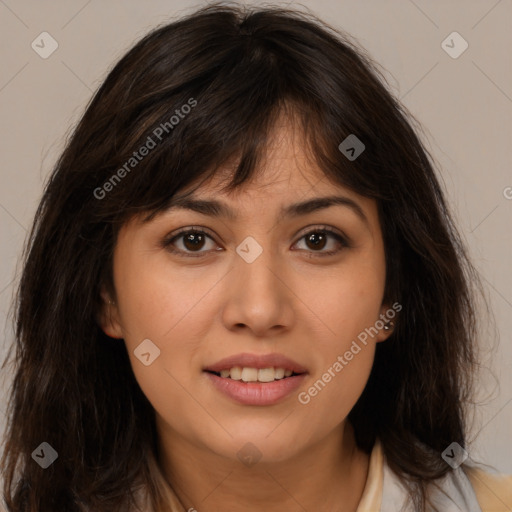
[386, 323]
[109, 317]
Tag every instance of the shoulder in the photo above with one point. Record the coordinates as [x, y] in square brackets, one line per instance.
[472, 488]
[493, 490]
[468, 488]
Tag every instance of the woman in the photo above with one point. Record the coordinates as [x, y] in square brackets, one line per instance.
[243, 290]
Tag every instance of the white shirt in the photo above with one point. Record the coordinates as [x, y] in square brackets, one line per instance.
[466, 489]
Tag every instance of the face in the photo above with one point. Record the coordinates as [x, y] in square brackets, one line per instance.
[268, 286]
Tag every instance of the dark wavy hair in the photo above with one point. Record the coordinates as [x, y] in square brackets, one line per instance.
[238, 68]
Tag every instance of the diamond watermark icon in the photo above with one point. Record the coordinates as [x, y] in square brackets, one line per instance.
[45, 455]
[147, 352]
[351, 147]
[454, 455]
[454, 45]
[249, 249]
[44, 45]
[249, 454]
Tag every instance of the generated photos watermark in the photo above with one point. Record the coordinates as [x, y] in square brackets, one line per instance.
[151, 142]
[305, 397]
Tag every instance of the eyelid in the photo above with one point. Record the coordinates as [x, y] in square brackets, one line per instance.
[322, 227]
[187, 229]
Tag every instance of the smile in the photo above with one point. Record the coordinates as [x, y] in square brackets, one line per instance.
[252, 379]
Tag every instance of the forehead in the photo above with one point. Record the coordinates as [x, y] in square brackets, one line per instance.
[286, 169]
[287, 182]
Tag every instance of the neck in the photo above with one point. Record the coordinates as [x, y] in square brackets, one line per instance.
[329, 475]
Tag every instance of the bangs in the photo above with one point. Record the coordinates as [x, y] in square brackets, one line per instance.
[197, 119]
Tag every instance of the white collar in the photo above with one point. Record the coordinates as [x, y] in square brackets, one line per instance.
[452, 493]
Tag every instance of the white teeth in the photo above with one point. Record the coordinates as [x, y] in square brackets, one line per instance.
[266, 374]
[235, 373]
[278, 373]
[248, 374]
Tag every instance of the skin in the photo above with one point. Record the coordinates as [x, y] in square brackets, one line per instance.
[200, 310]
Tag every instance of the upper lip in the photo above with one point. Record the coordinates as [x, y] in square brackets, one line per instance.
[256, 361]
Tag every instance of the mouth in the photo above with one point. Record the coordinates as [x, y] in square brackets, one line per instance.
[256, 368]
[252, 379]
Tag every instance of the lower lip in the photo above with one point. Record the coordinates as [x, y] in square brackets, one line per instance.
[257, 393]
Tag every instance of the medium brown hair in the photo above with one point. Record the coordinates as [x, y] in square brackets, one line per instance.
[74, 387]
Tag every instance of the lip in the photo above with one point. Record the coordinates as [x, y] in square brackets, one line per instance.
[256, 393]
[256, 361]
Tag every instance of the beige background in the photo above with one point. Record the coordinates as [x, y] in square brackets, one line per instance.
[464, 105]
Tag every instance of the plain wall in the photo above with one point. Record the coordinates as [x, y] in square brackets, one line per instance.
[464, 105]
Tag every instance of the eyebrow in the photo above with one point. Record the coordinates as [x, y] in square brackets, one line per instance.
[214, 208]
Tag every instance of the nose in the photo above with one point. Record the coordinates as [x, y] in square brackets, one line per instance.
[259, 296]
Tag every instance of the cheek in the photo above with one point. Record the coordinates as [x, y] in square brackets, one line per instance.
[159, 301]
[168, 307]
[347, 300]
[328, 398]
[348, 303]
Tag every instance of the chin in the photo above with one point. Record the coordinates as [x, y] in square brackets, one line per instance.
[251, 447]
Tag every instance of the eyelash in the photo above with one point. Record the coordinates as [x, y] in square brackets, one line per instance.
[168, 241]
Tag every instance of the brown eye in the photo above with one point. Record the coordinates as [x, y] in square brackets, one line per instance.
[193, 241]
[187, 242]
[317, 240]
